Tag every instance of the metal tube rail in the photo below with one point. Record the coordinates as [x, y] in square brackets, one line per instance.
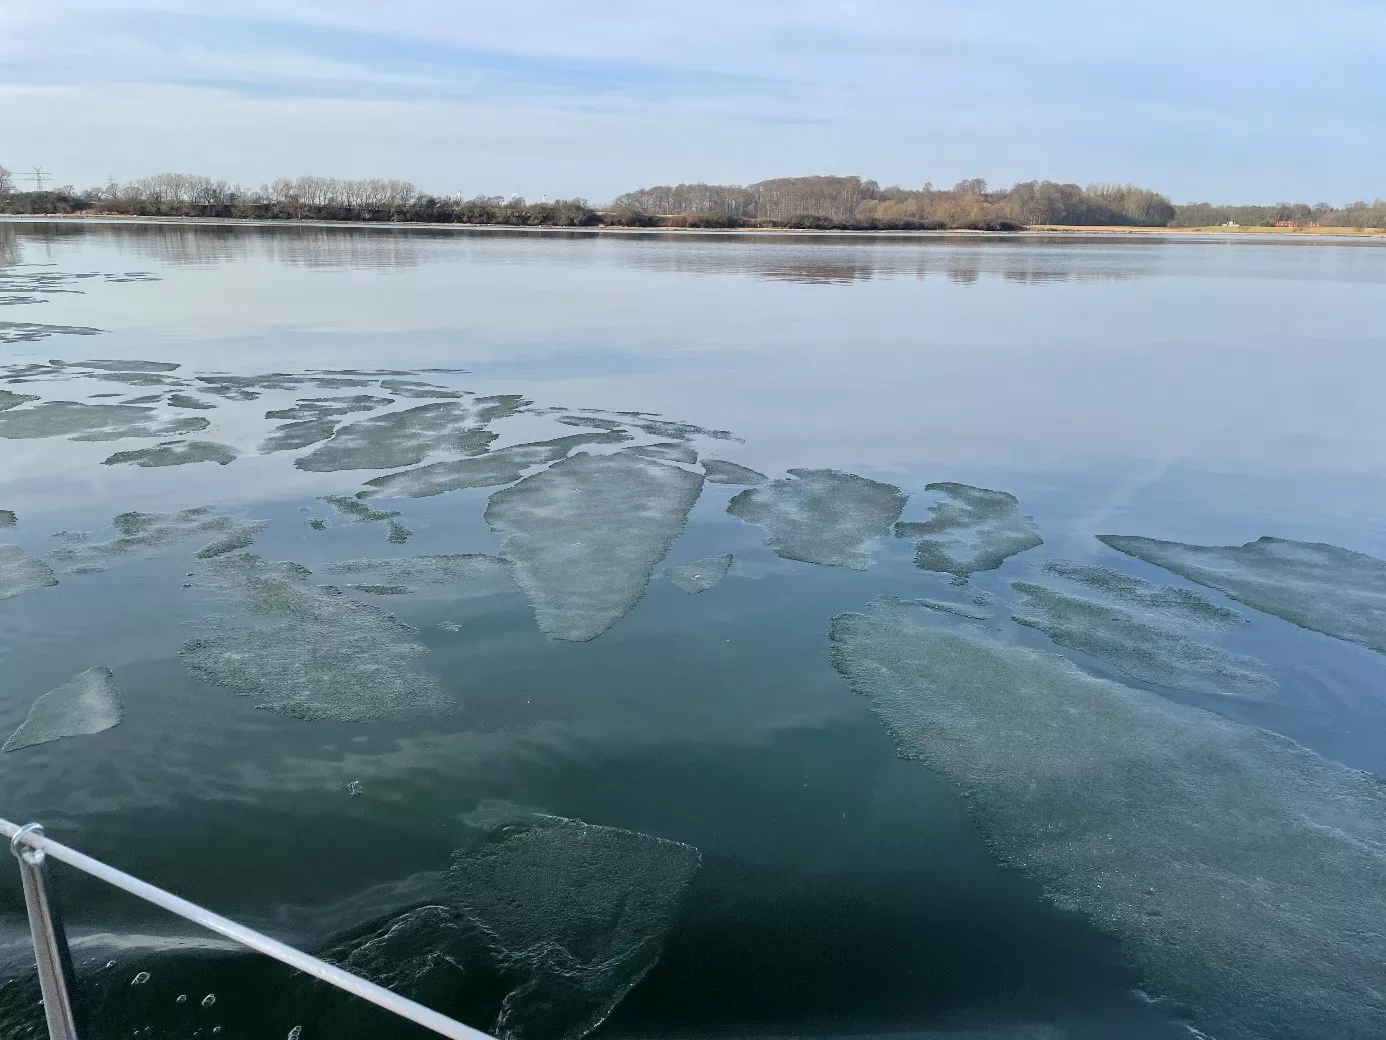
[30, 839]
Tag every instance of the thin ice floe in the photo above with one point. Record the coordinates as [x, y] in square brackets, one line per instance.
[137, 532]
[394, 440]
[1244, 876]
[86, 704]
[721, 472]
[295, 435]
[177, 453]
[307, 652]
[492, 469]
[9, 399]
[189, 401]
[477, 573]
[1139, 646]
[1315, 585]
[700, 575]
[73, 419]
[30, 332]
[668, 451]
[975, 530]
[1168, 601]
[419, 390]
[586, 534]
[357, 511]
[20, 573]
[822, 515]
[329, 407]
[107, 365]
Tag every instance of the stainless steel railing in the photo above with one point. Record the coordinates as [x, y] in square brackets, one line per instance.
[57, 980]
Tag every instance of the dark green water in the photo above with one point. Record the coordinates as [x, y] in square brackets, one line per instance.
[1201, 392]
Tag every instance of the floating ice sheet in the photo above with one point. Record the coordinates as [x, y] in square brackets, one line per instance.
[700, 575]
[502, 466]
[822, 515]
[85, 704]
[1165, 600]
[1140, 646]
[1244, 876]
[586, 534]
[975, 530]
[404, 438]
[179, 453]
[136, 532]
[306, 651]
[720, 472]
[1314, 585]
[20, 573]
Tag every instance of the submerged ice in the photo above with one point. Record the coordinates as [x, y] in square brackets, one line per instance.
[20, 573]
[1140, 646]
[976, 529]
[1315, 585]
[1244, 876]
[586, 534]
[539, 932]
[1167, 601]
[822, 515]
[700, 575]
[88, 703]
[307, 651]
[137, 531]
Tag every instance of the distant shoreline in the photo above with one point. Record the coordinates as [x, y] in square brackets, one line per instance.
[1075, 230]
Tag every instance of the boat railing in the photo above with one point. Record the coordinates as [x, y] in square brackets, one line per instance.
[57, 981]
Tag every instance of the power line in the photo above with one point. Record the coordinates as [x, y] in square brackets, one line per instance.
[38, 175]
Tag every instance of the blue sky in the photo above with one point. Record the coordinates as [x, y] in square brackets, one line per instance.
[1220, 100]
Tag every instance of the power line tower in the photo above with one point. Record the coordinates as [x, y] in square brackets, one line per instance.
[38, 175]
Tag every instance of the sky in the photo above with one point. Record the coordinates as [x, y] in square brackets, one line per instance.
[1205, 100]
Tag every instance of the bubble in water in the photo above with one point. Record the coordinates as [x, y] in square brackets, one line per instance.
[182, 998]
[140, 979]
[209, 1000]
[295, 1032]
[109, 964]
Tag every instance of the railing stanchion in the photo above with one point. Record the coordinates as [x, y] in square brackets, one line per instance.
[56, 978]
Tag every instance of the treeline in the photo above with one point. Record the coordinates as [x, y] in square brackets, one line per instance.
[1355, 215]
[298, 198]
[853, 202]
[823, 203]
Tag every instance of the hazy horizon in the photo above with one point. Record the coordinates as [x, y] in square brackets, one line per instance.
[1234, 102]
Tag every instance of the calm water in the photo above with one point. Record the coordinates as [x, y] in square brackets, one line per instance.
[1206, 392]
